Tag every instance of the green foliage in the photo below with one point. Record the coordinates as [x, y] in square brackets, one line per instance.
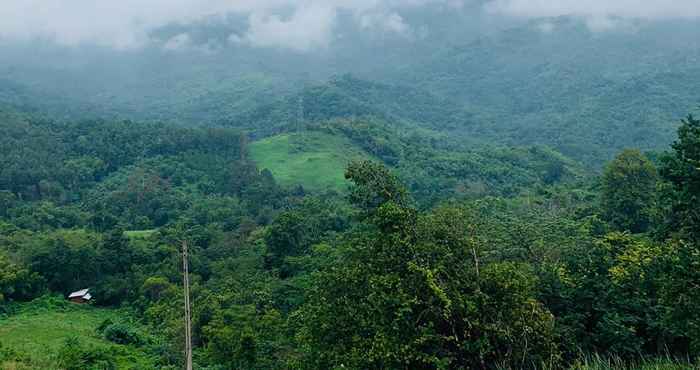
[682, 170]
[678, 296]
[375, 186]
[73, 355]
[603, 295]
[121, 333]
[411, 291]
[17, 282]
[628, 191]
[677, 286]
[239, 337]
[66, 259]
[294, 231]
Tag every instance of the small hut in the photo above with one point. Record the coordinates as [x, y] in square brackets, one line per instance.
[81, 296]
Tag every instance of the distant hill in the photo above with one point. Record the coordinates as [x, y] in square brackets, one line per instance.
[549, 82]
[587, 94]
[315, 156]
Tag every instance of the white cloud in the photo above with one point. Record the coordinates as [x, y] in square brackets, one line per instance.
[127, 23]
[295, 24]
[546, 27]
[178, 42]
[600, 15]
[309, 27]
[384, 21]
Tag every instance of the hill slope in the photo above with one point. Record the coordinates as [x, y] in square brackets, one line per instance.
[584, 93]
[314, 160]
[33, 337]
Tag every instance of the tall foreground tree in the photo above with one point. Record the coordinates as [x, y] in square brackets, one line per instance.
[413, 291]
[682, 170]
[680, 293]
[628, 191]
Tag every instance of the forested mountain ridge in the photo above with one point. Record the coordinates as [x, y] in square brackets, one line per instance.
[100, 164]
[347, 96]
[574, 263]
[555, 82]
[549, 82]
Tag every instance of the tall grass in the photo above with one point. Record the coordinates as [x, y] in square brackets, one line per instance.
[599, 362]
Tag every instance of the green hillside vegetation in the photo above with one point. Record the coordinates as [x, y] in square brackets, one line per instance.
[434, 242]
[139, 234]
[312, 159]
[36, 335]
[588, 95]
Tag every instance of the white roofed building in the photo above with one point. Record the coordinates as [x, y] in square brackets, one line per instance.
[81, 296]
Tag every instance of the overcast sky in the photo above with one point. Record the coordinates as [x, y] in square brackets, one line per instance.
[296, 24]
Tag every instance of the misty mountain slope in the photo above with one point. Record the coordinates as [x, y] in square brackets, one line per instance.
[141, 86]
[550, 82]
[587, 94]
[347, 96]
[16, 97]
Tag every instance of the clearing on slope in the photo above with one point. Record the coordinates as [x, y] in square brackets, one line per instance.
[34, 333]
[312, 159]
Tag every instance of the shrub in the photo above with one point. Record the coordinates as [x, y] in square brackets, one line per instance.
[121, 333]
[104, 325]
[7, 354]
[74, 355]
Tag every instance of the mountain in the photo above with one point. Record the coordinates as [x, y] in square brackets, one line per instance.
[587, 94]
[552, 82]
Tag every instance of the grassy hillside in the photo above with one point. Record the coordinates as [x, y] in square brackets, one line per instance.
[32, 336]
[314, 160]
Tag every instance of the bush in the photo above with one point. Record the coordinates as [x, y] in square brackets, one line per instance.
[121, 333]
[104, 325]
[7, 354]
[44, 303]
[73, 355]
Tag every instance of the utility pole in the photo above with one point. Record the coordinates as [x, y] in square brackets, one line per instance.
[300, 110]
[188, 321]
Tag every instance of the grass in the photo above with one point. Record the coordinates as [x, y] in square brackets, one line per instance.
[597, 362]
[314, 160]
[140, 234]
[36, 331]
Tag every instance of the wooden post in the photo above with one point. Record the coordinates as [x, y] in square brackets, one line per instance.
[300, 112]
[188, 321]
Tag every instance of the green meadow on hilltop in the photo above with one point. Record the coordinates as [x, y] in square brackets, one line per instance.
[314, 160]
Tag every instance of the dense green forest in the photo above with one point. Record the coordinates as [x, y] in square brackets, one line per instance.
[427, 256]
[456, 190]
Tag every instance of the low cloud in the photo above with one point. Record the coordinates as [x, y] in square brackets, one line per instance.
[600, 15]
[308, 28]
[384, 21]
[296, 24]
[301, 25]
[180, 42]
